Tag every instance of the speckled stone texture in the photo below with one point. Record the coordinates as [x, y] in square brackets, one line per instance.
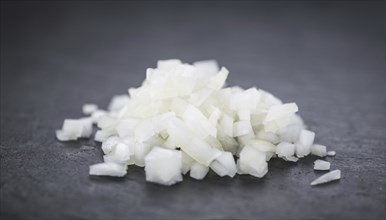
[329, 57]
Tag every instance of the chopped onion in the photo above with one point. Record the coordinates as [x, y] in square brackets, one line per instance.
[303, 145]
[224, 165]
[198, 171]
[319, 150]
[252, 162]
[88, 109]
[321, 165]
[182, 118]
[285, 150]
[108, 169]
[163, 166]
[331, 153]
[328, 177]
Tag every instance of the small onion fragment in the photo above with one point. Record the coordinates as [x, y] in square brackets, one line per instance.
[328, 177]
[319, 150]
[108, 169]
[321, 165]
[88, 109]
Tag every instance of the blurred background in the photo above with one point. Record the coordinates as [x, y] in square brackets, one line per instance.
[327, 56]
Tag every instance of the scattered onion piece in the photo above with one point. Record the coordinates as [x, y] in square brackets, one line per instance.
[328, 177]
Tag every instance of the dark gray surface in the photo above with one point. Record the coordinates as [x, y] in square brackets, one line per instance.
[328, 57]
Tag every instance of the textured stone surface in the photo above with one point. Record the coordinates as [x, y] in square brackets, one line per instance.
[327, 57]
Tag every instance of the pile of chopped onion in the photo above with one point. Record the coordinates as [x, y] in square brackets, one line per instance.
[183, 119]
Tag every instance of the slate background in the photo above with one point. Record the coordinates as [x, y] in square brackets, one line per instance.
[329, 57]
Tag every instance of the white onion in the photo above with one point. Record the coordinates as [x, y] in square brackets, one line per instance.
[206, 67]
[241, 128]
[331, 153]
[183, 119]
[319, 150]
[328, 177]
[224, 165]
[321, 165]
[252, 162]
[108, 169]
[285, 150]
[163, 166]
[88, 109]
[198, 171]
[118, 102]
[303, 145]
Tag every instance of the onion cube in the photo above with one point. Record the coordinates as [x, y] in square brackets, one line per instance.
[321, 165]
[319, 150]
[253, 162]
[108, 169]
[285, 149]
[303, 145]
[163, 166]
[88, 109]
[224, 165]
[198, 171]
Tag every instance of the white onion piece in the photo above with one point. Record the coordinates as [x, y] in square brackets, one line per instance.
[226, 125]
[245, 100]
[244, 115]
[88, 109]
[328, 177]
[228, 143]
[97, 114]
[168, 64]
[64, 136]
[321, 165]
[73, 128]
[331, 153]
[144, 130]
[109, 144]
[268, 136]
[206, 67]
[107, 121]
[126, 127]
[319, 150]
[186, 162]
[261, 145]
[102, 135]
[241, 128]
[281, 111]
[87, 127]
[224, 165]
[198, 123]
[118, 102]
[285, 150]
[303, 146]
[163, 166]
[200, 96]
[108, 169]
[160, 122]
[252, 162]
[141, 150]
[214, 116]
[290, 158]
[217, 81]
[198, 171]
[194, 147]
